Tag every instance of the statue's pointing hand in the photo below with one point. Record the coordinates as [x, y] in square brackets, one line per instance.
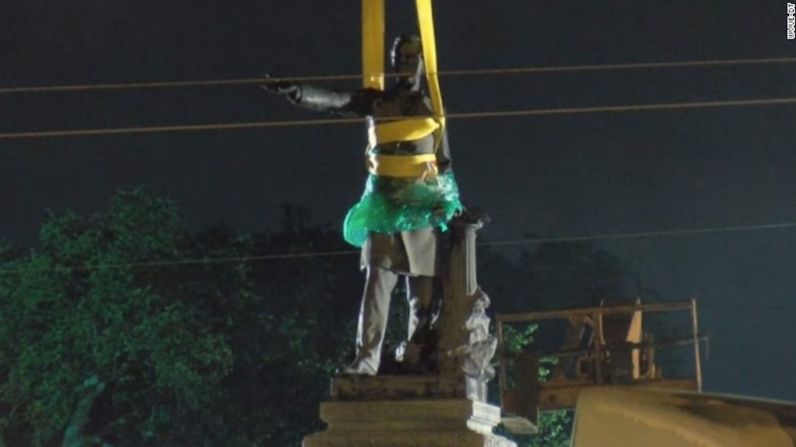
[275, 85]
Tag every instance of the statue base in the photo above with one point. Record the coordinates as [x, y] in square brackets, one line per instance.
[397, 387]
[408, 423]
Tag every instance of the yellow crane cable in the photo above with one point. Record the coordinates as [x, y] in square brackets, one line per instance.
[464, 72]
[334, 121]
[373, 26]
[425, 21]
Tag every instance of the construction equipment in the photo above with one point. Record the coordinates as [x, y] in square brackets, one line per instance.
[603, 346]
[632, 417]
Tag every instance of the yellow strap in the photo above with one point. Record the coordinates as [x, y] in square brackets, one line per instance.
[373, 44]
[425, 20]
[402, 165]
[373, 24]
[403, 130]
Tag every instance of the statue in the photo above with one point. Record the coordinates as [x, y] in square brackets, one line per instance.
[410, 196]
[481, 345]
[401, 223]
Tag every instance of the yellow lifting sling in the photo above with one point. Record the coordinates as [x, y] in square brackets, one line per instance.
[373, 20]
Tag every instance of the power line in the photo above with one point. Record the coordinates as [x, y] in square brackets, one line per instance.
[746, 307]
[451, 73]
[626, 66]
[335, 121]
[646, 234]
[526, 241]
[175, 128]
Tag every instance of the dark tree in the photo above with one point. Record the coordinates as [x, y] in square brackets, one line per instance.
[123, 329]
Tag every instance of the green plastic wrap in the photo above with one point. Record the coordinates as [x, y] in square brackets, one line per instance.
[390, 205]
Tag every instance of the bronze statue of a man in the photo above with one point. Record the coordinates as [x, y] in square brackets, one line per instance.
[409, 197]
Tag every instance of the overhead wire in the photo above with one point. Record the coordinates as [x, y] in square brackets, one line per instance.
[335, 121]
[444, 73]
[746, 307]
[512, 242]
[466, 115]
[285, 256]
[645, 234]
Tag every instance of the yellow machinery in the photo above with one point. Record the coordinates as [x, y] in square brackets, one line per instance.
[603, 346]
[634, 417]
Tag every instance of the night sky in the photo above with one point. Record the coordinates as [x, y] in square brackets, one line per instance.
[566, 175]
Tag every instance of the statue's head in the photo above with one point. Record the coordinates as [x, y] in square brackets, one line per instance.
[406, 55]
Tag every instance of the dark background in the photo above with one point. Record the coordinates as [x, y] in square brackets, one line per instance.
[560, 175]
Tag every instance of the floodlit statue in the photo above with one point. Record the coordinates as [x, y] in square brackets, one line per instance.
[410, 195]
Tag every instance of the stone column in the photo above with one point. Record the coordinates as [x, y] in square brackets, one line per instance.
[465, 348]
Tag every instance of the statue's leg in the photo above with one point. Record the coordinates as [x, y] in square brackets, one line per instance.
[419, 291]
[372, 320]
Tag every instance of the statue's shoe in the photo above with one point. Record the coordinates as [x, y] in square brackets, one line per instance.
[358, 368]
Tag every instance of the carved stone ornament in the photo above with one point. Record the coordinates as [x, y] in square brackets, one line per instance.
[478, 353]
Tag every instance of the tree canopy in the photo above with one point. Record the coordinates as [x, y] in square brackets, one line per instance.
[124, 329]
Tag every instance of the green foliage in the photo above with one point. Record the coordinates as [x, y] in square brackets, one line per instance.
[75, 339]
[515, 340]
[112, 334]
[108, 336]
[554, 429]
[554, 426]
[554, 276]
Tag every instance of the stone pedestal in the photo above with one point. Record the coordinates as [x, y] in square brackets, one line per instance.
[388, 387]
[445, 408]
[408, 423]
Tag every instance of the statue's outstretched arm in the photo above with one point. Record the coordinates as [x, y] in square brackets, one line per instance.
[342, 102]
